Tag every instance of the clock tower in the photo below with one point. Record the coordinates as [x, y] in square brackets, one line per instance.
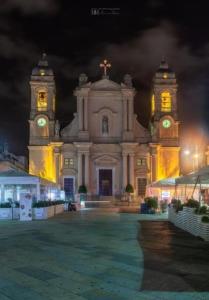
[42, 120]
[42, 102]
[164, 123]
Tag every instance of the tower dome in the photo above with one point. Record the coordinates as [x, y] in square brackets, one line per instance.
[164, 71]
[43, 68]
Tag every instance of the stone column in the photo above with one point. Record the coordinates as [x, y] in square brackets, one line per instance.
[87, 170]
[124, 114]
[85, 113]
[124, 170]
[131, 169]
[80, 113]
[79, 169]
[130, 112]
[57, 164]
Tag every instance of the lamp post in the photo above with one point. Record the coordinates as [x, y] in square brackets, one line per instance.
[194, 156]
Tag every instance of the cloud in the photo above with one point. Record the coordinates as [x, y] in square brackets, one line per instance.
[141, 56]
[29, 6]
[16, 48]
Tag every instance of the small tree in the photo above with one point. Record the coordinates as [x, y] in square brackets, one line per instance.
[151, 202]
[129, 188]
[82, 189]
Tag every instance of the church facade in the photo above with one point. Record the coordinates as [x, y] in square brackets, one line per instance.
[104, 147]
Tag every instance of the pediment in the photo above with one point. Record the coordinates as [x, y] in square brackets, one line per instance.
[105, 85]
[106, 160]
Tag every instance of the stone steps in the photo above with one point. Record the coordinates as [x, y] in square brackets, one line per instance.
[108, 202]
[98, 204]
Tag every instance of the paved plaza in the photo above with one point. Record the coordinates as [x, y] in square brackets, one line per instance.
[99, 255]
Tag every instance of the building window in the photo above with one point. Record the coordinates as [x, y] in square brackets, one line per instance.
[105, 125]
[42, 101]
[68, 162]
[141, 186]
[153, 105]
[141, 162]
[165, 102]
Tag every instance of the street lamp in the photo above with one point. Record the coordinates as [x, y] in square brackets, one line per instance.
[186, 152]
[194, 155]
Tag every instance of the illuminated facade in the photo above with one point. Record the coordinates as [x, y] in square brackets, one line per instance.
[104, 147]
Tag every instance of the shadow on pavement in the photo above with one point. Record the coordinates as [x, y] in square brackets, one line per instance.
[174, 260]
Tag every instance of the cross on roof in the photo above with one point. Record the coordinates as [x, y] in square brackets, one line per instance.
[105, 65]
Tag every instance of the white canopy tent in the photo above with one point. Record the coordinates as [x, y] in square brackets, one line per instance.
[194, 185]
[14, 183]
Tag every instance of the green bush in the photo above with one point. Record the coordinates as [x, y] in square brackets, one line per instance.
[205, 219]
[82, 189]
[175, 202]
[177, 205]
[192, 203]
[42, 204]
[57, 202]
[17, 204]
[151, 202]
[5, 205]
[129, 188]
[202, 210]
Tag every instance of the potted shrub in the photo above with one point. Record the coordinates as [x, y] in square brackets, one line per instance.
[82, 191]
[192, 203]
[202, 210]
[205, 219]
[177, 205]
[129, 190]
[152, 204]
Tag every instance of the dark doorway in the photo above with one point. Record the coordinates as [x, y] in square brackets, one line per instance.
[105, 182]
[69, 188]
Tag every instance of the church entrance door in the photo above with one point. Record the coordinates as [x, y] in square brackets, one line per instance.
[69, 188]
[105, 182]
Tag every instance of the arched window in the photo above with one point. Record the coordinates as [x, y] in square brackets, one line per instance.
[153, 105]
[105, 125]
[165, 101]
[42, 101]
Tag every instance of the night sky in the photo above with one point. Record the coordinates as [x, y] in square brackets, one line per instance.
[134, 41]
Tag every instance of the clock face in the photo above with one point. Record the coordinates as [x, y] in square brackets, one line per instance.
[41, 122]
[166, 123]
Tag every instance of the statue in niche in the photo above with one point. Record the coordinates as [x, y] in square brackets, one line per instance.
[128, 80]
[83, 79]
[57, 128]
[105, 126]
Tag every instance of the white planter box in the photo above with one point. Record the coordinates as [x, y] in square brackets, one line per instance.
[189, 221]
[5, 213]
[59, 209]
[8, 214]
[42, 213]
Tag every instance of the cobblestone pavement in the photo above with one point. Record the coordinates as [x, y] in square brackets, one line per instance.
[90, 255]
[174, 260]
